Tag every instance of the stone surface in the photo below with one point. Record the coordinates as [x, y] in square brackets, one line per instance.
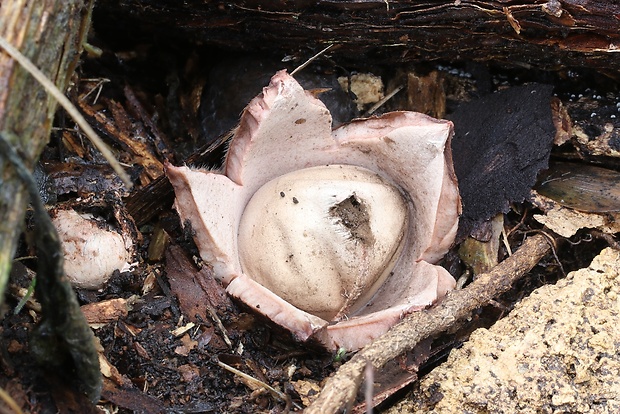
[557, 352]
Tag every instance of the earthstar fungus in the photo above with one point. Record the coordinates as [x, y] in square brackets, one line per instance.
[330, 234]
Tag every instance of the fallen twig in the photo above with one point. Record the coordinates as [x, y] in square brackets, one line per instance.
[340, 390]
[383, 101]
[253, 383]
[8, 400]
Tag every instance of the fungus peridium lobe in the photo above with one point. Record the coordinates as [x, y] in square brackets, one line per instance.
[331, 234]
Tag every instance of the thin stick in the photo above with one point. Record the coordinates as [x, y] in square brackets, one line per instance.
[383, 101]
[341, 389]
[505, 241]
[68, 106]
[369, 381]
[220, 326]
[8, 400]
[256, 382]
[307, 62]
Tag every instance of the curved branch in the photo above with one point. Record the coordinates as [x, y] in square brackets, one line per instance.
[341, 389]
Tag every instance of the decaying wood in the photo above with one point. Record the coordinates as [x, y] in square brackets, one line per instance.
[341, 389]
[107, 311]
[118, 128]
[547, 34]
[51, 34]
[62, 342]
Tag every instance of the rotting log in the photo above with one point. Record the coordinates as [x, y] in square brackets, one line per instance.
[548, 34]
[51, 34]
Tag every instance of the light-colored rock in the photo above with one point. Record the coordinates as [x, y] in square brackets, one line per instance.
[368, 88]
[557, 352]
